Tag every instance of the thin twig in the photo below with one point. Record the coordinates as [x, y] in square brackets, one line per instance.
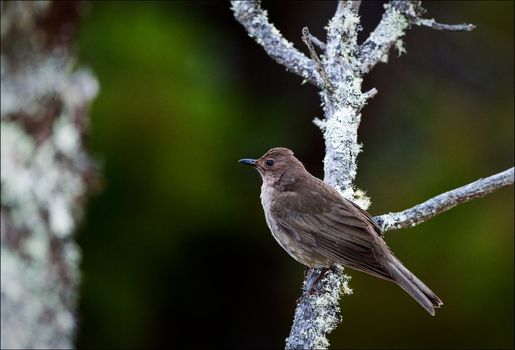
[370, 93]
[317, 42]
[445, 201]
[431, 23]
[306, 37]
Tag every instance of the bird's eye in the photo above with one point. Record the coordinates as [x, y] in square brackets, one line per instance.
[269, 162]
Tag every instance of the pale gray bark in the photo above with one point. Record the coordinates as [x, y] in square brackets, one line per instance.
[255, 20]
[398, 16]
[44, 173]
[445, 201]
[343, 65]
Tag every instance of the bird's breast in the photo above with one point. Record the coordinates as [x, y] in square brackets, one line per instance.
[267, 195]
[289, 243]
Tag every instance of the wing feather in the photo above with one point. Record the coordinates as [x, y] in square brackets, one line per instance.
[334, 228]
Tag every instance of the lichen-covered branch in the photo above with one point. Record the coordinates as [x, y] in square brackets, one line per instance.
[388, 32]
[445, 201]
[255, 20]
[431, 23]
[45, 172]
[322, 310]
[343, 105]
[344, 64]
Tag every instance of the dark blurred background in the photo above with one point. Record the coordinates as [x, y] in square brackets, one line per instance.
[176, 251]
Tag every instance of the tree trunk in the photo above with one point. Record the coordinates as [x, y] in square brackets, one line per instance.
[45, 172]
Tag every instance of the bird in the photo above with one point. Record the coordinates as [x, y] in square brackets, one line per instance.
[319, 228]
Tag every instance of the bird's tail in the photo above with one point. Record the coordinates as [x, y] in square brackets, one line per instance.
[413, 286]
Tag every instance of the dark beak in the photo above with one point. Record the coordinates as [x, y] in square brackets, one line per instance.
[251, 162]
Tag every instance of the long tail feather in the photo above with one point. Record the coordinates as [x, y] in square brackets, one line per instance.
[414, 287]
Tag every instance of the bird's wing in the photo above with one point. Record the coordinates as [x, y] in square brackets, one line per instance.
[333, 227]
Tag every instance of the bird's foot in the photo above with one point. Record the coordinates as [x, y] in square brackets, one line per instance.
[313, 289]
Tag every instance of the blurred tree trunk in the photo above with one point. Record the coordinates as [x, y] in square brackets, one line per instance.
[45, 172]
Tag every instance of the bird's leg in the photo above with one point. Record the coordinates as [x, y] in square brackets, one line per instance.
[306, 270]
[313, 289]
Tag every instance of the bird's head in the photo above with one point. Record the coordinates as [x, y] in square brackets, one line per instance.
[275, 163]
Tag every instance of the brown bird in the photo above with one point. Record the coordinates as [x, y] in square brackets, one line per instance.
[320, 228]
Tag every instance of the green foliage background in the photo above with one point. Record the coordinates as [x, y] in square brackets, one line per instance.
[176, 251]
